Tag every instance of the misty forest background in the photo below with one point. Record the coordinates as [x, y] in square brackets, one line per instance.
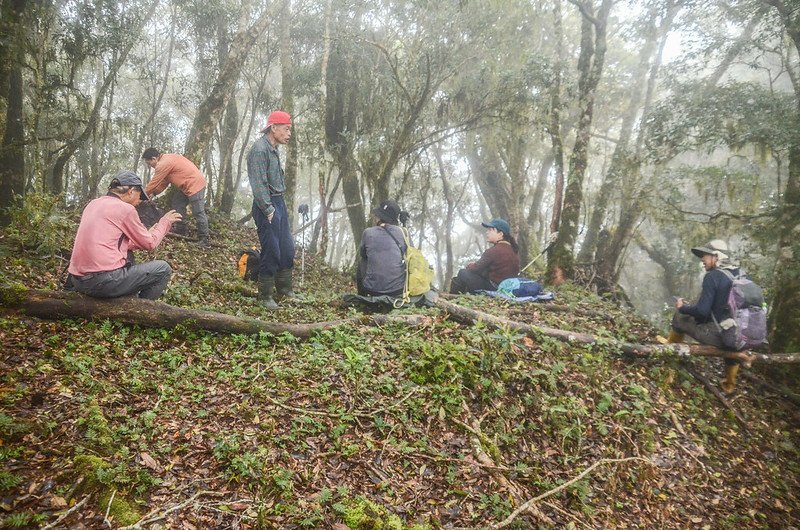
[623, 131]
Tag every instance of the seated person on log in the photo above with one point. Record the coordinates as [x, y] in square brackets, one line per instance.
[101, 264]
[697, 320]
[497, 263]
[381, 266]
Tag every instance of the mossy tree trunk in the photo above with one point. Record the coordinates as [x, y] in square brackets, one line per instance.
[54, 179]
[287, 102]
[555, 119]
[785, 314]
[561, 263]
[12, 156]
[210, 109]
[341, 111]
[621, 159]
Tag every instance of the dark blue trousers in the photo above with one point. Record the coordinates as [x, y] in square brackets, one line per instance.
[277, 243]
[468, 282]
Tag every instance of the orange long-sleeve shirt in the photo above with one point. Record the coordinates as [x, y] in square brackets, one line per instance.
[176, 170]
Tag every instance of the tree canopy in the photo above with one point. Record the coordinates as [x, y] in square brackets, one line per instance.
[604, 131]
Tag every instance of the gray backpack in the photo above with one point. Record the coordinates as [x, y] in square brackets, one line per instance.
[747, 326]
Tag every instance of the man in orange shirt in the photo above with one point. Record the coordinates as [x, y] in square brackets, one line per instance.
[182, 173]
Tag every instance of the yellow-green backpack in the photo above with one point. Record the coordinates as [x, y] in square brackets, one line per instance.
[419, 273]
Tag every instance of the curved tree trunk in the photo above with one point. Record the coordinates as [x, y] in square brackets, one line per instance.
[621, 157]
[611, 258]
[210, 109]
[54, 183]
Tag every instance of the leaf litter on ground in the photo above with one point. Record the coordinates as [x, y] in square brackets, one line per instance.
[438, 426]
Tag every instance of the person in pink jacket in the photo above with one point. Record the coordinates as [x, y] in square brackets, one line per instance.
[101, 264]
[181, 172]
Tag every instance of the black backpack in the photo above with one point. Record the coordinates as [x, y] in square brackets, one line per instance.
[247, 264]
[149, 213]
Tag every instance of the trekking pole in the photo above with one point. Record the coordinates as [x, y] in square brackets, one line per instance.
[303, 211]
[547, 248]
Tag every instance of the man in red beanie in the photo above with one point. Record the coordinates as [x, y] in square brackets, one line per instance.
[269, 210]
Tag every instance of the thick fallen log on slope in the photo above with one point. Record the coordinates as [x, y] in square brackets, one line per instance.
[147, 313]
[467, 315]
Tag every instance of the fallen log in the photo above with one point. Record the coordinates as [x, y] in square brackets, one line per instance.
[547, 307]
[53, 305]
[467, 315]
[147, 313]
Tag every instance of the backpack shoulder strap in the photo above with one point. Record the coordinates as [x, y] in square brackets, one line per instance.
[395, 240]
[406, 236]
[405, 298]
[730, 275]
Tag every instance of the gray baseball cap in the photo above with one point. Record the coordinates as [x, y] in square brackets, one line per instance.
[129, 178]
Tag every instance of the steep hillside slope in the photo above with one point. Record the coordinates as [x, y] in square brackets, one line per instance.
[433, 426]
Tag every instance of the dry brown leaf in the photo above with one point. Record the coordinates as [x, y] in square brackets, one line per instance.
[58, 502]
[150, 462]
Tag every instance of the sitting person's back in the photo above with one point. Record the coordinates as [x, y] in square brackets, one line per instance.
[382, 268]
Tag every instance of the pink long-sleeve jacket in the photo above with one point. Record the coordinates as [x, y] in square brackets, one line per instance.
[109, 228]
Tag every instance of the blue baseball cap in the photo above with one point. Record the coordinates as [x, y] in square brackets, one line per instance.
[498, 224]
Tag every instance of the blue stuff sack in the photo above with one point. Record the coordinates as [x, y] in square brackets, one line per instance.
[519, 287]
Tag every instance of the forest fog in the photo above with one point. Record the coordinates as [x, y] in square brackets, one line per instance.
[618, 134]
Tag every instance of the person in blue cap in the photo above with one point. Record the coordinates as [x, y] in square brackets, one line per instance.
[498, 262]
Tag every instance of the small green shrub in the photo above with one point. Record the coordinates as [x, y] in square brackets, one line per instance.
[8, 481]
[39, 223]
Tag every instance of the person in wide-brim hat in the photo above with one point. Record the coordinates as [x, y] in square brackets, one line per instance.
[703, 321]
